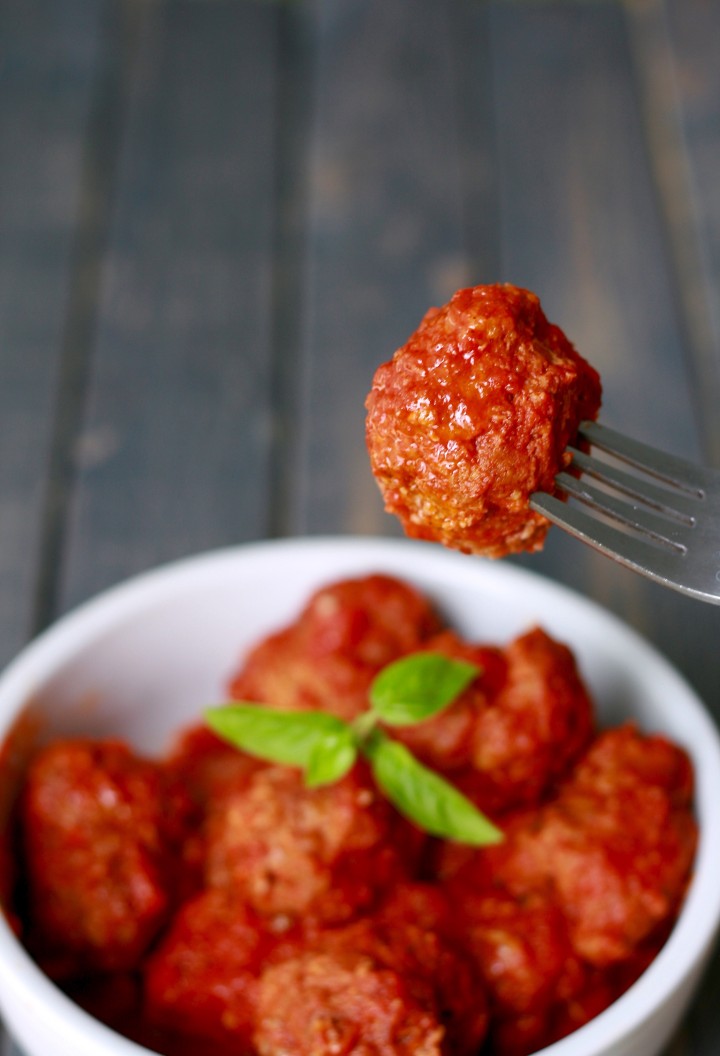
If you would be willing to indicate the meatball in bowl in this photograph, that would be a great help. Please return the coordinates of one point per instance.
(168, 889)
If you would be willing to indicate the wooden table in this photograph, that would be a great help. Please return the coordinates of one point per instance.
(218, 216)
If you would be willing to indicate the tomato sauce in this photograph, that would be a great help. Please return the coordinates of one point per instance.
(474, 414)
(207, 901)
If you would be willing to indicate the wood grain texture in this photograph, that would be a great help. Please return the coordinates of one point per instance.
(385, 232)
(52, 61)
(692, 30)
(173, 454)
(581, 223)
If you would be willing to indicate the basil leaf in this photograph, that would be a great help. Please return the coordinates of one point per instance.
(424, 797)
(289, 737)
(331, 758)
(418, 686)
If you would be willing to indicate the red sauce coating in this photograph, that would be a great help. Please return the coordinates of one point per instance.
(612, 847)
(104, 834)
(210, 902)
(295, 852)
(528, 965)
(327, 658)
(391, 982)
(474, 414)
(203, 978)
(516, 729)
(621, 875)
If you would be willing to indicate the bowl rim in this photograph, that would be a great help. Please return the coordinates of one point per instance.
(693, 935)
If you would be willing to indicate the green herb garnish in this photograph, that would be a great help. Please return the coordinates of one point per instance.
(425, 797)
(405, 692)
(419, 686)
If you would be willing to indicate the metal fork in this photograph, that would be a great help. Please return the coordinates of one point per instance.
(661, 518)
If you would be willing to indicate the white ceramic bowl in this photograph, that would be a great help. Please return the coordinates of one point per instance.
(147, 656)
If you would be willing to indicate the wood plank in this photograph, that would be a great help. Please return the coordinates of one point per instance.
(174, 451)
(678, 45)
(53, 60)
(581, 222)
(386, 234)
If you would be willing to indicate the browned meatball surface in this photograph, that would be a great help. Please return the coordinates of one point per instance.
(472, 415)
(328, 656)
(528, 966)
(212, 902)
(613, 847)
(104, 839)
(201, 979)
(516, 729)
(291, 851)
(390, 984)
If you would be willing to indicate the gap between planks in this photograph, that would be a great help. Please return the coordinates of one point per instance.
(659, 95)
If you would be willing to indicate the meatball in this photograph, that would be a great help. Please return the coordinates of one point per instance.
(613, 848)
(516, 729)
(342, 1001)
(474, 414)
(204, 763)
(387, 985)
(104, 838)
(529, 968)
(445, 741)
(202, 979)
(327, 658)
(292, 851)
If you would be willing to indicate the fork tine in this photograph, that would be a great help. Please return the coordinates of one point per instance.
(662, 519)
(674, 503)
(662, 564)
(687, 476)
(633, 515)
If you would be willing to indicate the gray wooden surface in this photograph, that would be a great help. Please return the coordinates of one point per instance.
(218, 216)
